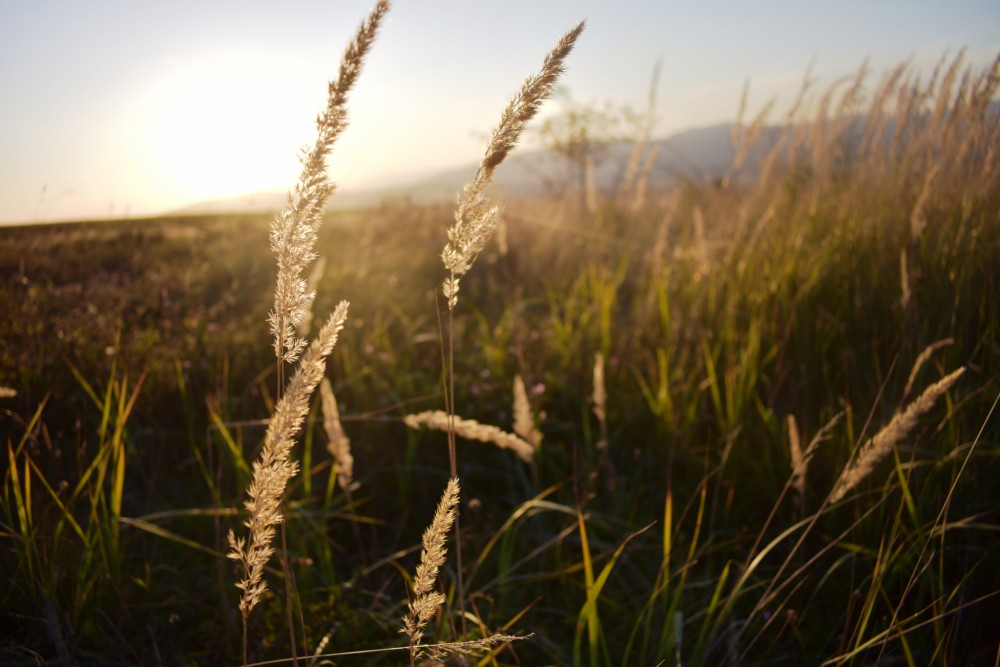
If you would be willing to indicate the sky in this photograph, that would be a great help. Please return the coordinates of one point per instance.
(115, 108)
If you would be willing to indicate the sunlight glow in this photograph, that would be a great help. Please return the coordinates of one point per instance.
(228, 127)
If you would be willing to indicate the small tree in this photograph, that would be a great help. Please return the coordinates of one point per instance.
(582, 136)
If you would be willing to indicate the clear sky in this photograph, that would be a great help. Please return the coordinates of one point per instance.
(111, 107)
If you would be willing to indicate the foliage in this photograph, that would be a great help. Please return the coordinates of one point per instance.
(720, 308)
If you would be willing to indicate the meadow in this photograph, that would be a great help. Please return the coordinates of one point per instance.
(752, 445)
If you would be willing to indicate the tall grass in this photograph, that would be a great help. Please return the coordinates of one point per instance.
(675, 353)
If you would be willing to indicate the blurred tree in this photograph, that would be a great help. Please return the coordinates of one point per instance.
(583, 134)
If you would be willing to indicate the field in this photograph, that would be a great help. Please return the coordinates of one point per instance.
(668, 515)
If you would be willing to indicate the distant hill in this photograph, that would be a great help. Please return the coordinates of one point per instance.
(697, 154)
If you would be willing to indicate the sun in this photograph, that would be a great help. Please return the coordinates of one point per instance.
(228, 126)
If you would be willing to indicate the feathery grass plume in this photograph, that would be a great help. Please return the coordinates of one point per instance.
(700, 240)
(293, 236)
(472, 645)
(642, 181)
(904, 279)
(274, 468)
(659, 249)
(470, 429)
(632, 181)
(591, 186)
(800, 458)
(503, 245)
(736, 130)
(898, 428)
(294, 230)
(7, 392)
(475, 218)
(339, 445)
(600, 406)
(426, 600)
(600, 395)
(798, 465)
(878, 116)
(524, 421)
(918, 218)
(922, 359)
(751, 135)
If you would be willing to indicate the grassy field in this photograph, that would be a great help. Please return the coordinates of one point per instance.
(789, 300)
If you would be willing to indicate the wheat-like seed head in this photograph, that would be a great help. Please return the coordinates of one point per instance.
(439, 420)
(524, 420)
(426, 600)
(339, 445)
(922, 359)
(800, 458)
(798, 464)
(475, 218)
(436, 652)
(918, 218)
(294, 230)
(274, 468)
(600, 395)
(642, 180)
(898, 428)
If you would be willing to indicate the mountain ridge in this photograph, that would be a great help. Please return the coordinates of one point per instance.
(697, 153)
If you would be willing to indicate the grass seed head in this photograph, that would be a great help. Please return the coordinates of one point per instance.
(476, 219)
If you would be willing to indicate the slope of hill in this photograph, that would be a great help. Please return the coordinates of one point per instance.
(701, 153)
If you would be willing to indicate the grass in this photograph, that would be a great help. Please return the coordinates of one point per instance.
(661, 519)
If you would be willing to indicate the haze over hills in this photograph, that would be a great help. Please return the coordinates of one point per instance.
(699, 154)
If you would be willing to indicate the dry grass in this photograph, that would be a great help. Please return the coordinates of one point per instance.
(426, 601)
(758, 300)
(470, 429)
(524, 420)
(294, 230)
(338, 444)
(475, 218)
(274, 468)
(293, 237)
(894, 432)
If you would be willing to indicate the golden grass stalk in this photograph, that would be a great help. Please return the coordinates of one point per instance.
(635, 180)
(700, 239)
(475, 218)
(600, 396)
(274, 468)
(751, 135)
(657, 254)
(898, 428)
(800, 458)
(426, 600)
(904, 280)
(591, 186)
(470, 429)
(524, 420)
(599, 399)
(338, 444)
(294, 230)
(293, 236)
(922, 359)
(486, 642)
(642, 181)
(798, 463)
(918, 218)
